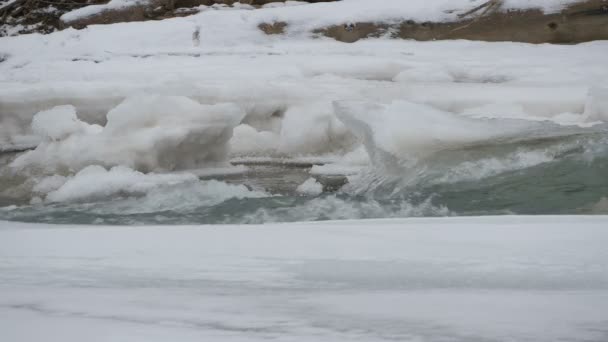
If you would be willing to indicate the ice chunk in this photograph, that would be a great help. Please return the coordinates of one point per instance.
(247, 141)
(127, 191)
(313, 128)
(143, 132)
(57, 123)
(49, 184)
(96, 182)
(597, 104)
(310, 187)
(410, 132)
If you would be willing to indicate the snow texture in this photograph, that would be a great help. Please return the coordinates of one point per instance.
(538, 279)
(144, 132)
(310, 187)
(91, 10)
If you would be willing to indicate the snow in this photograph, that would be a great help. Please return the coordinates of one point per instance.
(95, 181)
(458, 279)
(343, 11)
(5, 3)
(91, 10)
(313, 129)
(143, 132)
(310, 187)
(57, 123)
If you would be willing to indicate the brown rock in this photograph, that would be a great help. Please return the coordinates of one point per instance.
(274, 28)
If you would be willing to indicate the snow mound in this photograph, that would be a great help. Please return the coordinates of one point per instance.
(91, 10)
(60, 122)
(144, 133)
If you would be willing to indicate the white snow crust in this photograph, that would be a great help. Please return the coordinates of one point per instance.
(538, 279)
(90, 10)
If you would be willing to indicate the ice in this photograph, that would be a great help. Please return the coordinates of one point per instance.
(124, 191)
(597, 104)
(58, 123)
(94, 182)
(247, 141)
(519, 278)
(310, 187)
(50, 184)
(143, 132)
(313, 129)
(412, 132)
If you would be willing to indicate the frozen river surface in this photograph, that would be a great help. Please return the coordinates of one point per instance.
(450, 279)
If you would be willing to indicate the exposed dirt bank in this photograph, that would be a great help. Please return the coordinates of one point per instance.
(582, 22)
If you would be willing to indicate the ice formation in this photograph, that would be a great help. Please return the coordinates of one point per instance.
(144, 132)
(310, 187)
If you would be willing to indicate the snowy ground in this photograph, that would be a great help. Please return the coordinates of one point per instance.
(474, 279)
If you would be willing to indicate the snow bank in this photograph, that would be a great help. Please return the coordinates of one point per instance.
(91, 10)
(548, 6)
(144, 133)
(307, 18)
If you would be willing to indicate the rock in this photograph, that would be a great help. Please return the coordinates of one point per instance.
(274, 28)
